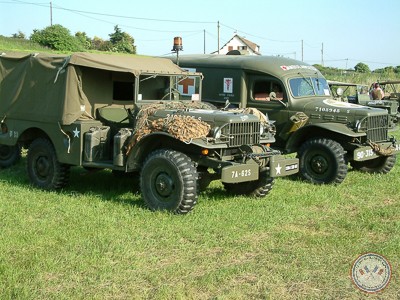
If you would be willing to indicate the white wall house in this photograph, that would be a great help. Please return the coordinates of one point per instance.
(240, 44)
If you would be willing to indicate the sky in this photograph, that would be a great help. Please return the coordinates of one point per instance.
(339, 33)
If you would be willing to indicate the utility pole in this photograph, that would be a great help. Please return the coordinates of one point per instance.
(302, 50)
(218, 37)
(51, 14)
(204, 37)
(322, 55)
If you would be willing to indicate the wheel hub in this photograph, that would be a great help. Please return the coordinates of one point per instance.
(42, 166)
(164, 185)
(319, 164)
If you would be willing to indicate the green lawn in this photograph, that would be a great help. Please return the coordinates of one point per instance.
(97, 240)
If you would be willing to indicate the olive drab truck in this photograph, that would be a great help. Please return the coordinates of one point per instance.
(131, 114)
(359, 94)
(326, 134)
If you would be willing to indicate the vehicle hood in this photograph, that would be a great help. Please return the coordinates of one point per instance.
(335, 108)
(210, 116)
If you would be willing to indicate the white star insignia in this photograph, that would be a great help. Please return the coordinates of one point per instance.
(278, 169)
(76, 132)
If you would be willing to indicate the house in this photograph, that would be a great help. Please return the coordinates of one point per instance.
(240, 44)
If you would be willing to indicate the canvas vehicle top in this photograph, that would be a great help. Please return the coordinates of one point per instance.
(131, 114)
(325, 133)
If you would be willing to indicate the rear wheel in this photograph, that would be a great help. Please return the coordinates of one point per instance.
(382, 164)
(322, 161)
(44, 170)
(9, 155)
(257, 188)
(168, 181)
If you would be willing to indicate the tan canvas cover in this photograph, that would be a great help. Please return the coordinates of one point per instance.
(47, 87)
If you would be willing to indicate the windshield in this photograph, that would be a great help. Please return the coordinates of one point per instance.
(309, 86)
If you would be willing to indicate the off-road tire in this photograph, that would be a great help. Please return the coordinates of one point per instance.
(9, 155)
(203, 179)
(44, 170)
(381, 165)
(322, 161)
(257, 188)
(168, 181)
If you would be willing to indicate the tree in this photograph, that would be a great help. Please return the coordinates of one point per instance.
(83, 39)
(362, 68)
(56, 37)
(122, 41)
(19, 35)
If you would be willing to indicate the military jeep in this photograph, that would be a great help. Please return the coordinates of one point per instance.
(136, 115)
(359, 94)
(391, 89)
(326, 134)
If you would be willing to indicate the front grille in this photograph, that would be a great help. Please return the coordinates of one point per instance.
(244, 133)
(377, 128)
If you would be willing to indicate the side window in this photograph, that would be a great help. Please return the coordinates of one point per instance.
(154, 88)
(123, 90)
(266, 90)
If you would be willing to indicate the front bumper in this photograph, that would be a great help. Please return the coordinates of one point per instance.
(279, 166)
(369, 152)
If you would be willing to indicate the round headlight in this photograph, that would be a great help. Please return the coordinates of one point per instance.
(216, 132)
(361, 125)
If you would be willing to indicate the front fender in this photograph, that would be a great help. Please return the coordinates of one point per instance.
(156, 140)
(328, 130)
(339, 128)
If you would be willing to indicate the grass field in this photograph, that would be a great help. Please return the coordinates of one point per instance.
(14, 44)
(97, 240)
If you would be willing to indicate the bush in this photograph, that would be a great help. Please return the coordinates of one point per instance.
(58, 38)
(362, 68)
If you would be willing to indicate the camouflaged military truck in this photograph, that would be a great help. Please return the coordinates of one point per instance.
(326, 134)
(131, 114)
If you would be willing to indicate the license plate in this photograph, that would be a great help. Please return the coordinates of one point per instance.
(366, 153)
(240, 173)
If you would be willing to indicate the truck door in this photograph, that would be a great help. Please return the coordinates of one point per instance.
(268, 94)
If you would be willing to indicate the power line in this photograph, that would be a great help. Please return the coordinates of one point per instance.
(118, 16)
(92, 15)
(262, 38)
(124, 25)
